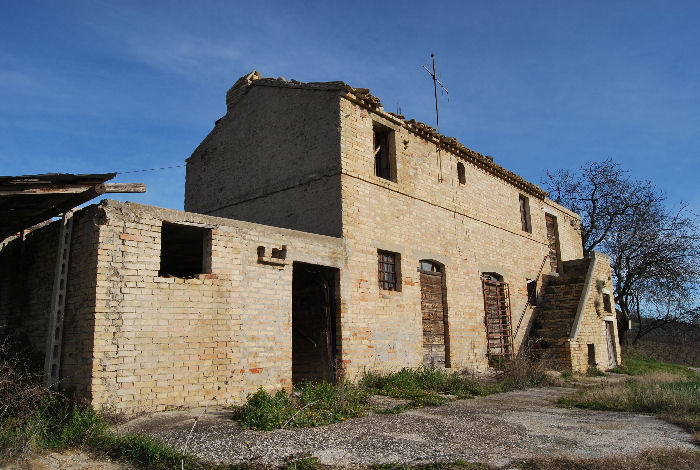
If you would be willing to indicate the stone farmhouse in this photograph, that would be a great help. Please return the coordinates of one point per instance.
(324, 237)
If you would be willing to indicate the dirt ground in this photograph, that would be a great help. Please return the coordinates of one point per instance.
(497, 430)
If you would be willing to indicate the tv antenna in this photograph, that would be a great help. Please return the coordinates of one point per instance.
(437, 82)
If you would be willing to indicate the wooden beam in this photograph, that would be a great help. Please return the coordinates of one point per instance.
(124, 187)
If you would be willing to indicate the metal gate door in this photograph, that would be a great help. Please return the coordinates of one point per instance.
(499, 333)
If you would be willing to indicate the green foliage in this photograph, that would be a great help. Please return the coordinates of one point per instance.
(456, 465)
(634, 363)
(593, 371)
(313, 404)
(300, 462)
(672, 397)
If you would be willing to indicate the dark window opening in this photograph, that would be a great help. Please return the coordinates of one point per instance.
(591, 355)
(182, 252)
(606, 303)
(461, 173)
(387, 265)
(430, 267)
(532, 292)
(383, 155)
(525, 214)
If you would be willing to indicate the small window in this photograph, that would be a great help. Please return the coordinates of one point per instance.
(429, 267)
(182, 251)
(532, 292)
(525, 214)
(461, 173)
(384, 160)
(607, 306)
(388, 273)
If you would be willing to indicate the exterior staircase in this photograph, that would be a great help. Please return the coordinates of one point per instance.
(555, 313)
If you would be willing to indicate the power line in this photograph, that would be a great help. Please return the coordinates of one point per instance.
(151, 169)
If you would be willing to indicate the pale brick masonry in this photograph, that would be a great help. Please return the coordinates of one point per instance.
(168, 308)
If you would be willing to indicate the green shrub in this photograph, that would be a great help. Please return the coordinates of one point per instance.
(313, 404)
(634, 363)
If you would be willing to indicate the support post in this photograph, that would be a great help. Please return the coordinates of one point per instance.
(52, 363)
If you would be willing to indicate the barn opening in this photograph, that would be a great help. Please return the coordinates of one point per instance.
(314, 323)
(434, 312)
(499, 332)
(184, 250)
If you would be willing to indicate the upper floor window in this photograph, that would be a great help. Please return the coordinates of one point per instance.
(607, 306)
(384, 157)
(461, 173)
(525, 214)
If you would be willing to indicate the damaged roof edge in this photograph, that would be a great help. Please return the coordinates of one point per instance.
(364, 98)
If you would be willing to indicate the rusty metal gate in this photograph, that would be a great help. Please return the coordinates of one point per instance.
(499, 332)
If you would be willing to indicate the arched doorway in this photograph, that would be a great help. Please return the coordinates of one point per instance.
(434, 313)
(499, 333)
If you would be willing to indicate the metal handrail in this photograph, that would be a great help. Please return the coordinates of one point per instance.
(527, 302)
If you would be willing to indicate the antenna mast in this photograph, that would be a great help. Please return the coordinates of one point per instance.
(437, 82)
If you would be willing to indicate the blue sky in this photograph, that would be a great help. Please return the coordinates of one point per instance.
(116, 86)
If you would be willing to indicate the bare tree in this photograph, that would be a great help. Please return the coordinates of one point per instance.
(654, 251)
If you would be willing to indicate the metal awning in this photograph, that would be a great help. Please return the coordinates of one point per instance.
(28, 200)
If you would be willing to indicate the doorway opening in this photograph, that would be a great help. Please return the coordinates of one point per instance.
(553, 242)
(610, 338)
(433, 305)
(314, 323)
(499, 332)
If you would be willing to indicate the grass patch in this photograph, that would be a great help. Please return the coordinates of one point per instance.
(311, 405)
(455, 465)
(673, 398)
(634, 363)
(431, 387)
(660, 459)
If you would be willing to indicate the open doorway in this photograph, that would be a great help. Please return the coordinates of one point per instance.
(314, 314)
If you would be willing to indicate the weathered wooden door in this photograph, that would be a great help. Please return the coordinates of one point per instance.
(610, 336)
(432, 303)
(499, 334)
(553, 241)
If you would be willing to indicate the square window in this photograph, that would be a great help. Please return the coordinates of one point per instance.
(525, 214)
(388, 270)
(184, 250)
(384, 155)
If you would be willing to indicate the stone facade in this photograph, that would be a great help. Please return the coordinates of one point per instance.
(301, 159)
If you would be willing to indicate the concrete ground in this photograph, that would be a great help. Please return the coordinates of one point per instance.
(497, 430)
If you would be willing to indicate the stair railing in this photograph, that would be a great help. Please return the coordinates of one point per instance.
(527, 302)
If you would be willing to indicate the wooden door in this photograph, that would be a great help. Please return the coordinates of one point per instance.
(433, 312)
(499, 334)
(553, 241)
(610, 336)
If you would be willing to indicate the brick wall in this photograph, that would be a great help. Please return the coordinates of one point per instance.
(470, 228)
(27, 270)
(272, 159)
(591, 328)
(165, 342)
